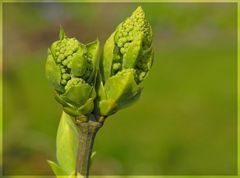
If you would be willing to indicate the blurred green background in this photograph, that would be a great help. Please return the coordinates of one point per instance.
(186, 120)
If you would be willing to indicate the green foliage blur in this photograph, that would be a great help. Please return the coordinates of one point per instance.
(185, 122)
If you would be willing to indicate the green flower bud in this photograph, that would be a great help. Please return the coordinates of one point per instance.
(63, 82)
(66, 76)
(116, 66)
(71, 68)
(127, 59)
(131, 42)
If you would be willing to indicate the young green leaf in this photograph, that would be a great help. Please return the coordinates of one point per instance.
(67, 143)
(107, 59)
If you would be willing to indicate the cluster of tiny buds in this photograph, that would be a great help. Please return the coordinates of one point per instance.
(142, 25)
(117, 63)
(74, 82)
(65, 49)
(129, 28)
(138, 75)
(126, 33)
(142, 67)
(125, 72)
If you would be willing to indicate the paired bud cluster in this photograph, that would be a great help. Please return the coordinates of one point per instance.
(72, 68)
(90, 89)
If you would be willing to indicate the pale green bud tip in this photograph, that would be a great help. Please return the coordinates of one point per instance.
(135, 23)
(132, 39)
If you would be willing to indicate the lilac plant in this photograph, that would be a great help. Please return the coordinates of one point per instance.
(91, 88)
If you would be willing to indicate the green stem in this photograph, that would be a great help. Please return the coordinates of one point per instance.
(87, 133)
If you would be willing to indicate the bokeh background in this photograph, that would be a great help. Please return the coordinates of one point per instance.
(186, 120)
